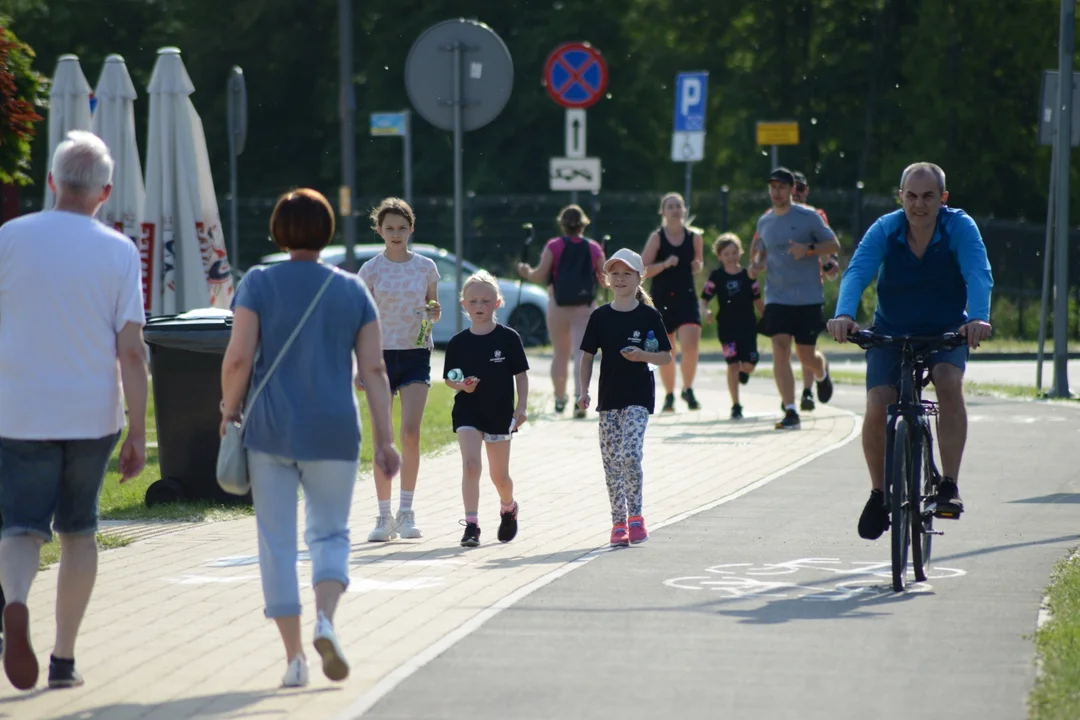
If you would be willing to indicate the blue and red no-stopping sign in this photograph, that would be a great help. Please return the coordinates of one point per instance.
(575, 75)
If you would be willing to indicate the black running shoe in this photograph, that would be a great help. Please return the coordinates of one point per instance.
(560, 404)
(471, 538)
(874, 520)
(824, 387)
(807, 402)
(669, 403)
(507, 525)
(744, 378)
(736, 412)
(62, 674)
(790, 421)
(949, 504)
(691, 401)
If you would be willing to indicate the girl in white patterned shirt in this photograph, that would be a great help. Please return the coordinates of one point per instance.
(405, 286)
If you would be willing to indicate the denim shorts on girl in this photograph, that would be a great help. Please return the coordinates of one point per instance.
(405, 367)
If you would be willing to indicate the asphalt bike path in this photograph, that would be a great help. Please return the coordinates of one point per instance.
(771, 606)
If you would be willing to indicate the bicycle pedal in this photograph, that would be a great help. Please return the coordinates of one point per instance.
(933, 532)
(947, 514)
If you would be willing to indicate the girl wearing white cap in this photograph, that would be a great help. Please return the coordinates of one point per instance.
(630, 334)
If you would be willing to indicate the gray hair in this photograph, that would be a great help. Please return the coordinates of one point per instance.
(82, 163)
(921, 168)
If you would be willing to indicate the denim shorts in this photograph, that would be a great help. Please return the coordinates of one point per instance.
(883, 364)
(405, 367)
(55, 482)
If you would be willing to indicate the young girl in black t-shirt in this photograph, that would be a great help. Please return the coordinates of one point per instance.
(484, 363)
(736, 291)
(630, 334)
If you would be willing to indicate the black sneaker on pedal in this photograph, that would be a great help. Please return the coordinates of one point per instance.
(669, 403)
(471, 538)
(874, 520)
(790, 421)
(736, 412)
(949, 504)
(807, 404)
(691, 401)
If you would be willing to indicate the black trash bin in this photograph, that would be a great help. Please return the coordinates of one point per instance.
(186, 352)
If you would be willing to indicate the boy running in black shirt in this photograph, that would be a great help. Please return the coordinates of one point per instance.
(737, 294)
(485, 363)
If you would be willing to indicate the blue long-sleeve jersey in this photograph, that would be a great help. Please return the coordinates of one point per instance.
(937, 293)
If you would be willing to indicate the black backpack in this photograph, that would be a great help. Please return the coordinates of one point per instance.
(575, 278)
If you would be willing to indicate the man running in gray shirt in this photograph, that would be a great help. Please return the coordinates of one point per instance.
(790, 241)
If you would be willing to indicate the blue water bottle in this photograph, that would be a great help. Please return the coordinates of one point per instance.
(651, 345)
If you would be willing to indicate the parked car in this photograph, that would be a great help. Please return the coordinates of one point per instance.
(527, 317)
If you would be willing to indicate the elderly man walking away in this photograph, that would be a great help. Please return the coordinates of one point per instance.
(71, 336)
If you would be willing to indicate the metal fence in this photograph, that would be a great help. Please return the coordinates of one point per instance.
(493, 233)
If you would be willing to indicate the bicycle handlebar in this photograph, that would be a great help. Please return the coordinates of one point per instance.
(946, 341)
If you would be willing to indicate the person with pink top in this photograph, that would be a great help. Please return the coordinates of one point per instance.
(573, 268)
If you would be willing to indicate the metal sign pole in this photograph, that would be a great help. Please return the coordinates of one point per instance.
(406, 160)
(347, 108)
(459, 101)
(1061, 203)
(775, 156)
(689, 176)
(1048, 253)
(236, 115)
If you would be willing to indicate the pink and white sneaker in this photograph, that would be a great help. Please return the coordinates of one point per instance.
(638, 533)
(620, 537)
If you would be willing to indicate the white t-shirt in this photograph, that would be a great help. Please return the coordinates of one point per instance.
(400, 292)
(68, 285)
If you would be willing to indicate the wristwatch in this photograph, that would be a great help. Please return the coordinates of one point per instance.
(810, 249)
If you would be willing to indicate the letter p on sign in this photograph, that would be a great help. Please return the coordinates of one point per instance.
(691, 95)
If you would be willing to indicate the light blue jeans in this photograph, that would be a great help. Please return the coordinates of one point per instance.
(328, 488)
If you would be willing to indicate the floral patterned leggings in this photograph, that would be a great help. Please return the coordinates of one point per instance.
(622, 437)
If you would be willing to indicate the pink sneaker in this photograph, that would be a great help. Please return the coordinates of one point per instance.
(638, 533)
(619, 536)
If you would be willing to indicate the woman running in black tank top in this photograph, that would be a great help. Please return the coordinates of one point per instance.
(672, 256)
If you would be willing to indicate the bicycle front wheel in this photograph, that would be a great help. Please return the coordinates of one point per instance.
(899, 501)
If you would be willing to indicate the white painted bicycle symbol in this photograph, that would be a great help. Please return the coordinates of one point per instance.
(858, 580)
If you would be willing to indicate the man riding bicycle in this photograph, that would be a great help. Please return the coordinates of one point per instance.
(933, 277)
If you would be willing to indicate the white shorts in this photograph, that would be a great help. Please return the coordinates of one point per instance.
(488, 437)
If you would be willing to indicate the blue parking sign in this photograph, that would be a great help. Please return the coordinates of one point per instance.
(690, 93)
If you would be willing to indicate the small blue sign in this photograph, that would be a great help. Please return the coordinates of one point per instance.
(690, 92)
(388, 124)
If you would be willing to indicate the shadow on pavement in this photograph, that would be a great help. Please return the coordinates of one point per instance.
(205, 706)
(1055, 498)
(1003, 548)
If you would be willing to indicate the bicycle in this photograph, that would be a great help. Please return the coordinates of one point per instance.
(910, 470)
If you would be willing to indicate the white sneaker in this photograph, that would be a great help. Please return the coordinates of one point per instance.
(405, 525)
(384, 529)
(297, 673)
(334, 665)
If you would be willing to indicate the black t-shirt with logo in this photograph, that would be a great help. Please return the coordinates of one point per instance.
(624, 383)
(735, 296)
(494, 358)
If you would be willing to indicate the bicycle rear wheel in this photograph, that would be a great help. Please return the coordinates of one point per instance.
(920, 540)
(897, 467)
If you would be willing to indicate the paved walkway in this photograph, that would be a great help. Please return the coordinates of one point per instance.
(175, 629)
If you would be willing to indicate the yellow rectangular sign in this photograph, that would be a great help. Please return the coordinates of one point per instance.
(778, 133)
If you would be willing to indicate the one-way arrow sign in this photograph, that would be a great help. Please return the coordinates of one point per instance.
(575, 133)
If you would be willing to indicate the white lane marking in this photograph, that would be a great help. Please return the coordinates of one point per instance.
(863, 580)
(401, 673)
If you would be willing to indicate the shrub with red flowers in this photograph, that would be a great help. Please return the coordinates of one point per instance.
(22, 91)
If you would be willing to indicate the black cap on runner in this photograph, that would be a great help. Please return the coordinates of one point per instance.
(782, 174)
